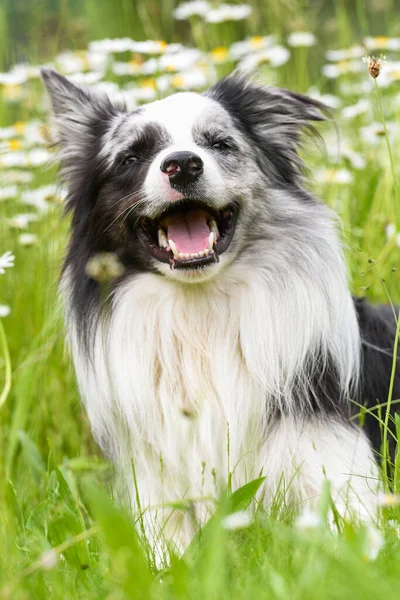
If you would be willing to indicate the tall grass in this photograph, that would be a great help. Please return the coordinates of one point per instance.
(63, 531)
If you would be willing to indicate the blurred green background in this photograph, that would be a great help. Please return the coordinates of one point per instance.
(34, 31)
(57, 490)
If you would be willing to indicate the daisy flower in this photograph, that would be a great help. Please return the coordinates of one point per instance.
(6, 261)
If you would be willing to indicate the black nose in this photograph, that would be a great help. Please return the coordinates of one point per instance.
(182, 168)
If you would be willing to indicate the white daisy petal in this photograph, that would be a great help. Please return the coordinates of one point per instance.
(6, 261)
(237, 520)
(4, 310)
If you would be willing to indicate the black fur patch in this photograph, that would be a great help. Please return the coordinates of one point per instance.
(101, 197)
(378, 329)
(325, 395)
(104, 219)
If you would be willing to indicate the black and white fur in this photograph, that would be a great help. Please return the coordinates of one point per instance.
(264, 348)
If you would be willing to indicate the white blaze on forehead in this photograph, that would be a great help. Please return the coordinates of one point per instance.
(177, 115)
(181, 112)
(181, 116)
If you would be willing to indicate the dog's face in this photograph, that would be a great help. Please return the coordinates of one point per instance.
(176, 164)
(177, 186)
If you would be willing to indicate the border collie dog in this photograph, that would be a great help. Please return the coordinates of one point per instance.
(231, 342)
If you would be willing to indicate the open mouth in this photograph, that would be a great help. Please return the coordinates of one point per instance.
(190, 235)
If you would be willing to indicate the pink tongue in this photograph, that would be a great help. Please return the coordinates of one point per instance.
(189, 231)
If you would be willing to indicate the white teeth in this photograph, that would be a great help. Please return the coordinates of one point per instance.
(187, 255)
(182, 256)
(162, 239)
(211, 241)
(173, 248)
(214, 228)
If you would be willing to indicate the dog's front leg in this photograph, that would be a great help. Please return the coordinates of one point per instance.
(166, 523)
(303, 454)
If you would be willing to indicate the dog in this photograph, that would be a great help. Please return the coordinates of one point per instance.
(227, 345)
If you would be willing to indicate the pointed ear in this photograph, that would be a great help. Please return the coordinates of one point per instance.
(273, 119)
(81, 117)
(64, 95)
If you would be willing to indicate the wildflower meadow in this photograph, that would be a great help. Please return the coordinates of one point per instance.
(64, 530)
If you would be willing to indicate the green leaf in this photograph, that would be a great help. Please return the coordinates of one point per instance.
(397, 456)
(127, 556)
(87, 463)
(32, 455)
(240, 499)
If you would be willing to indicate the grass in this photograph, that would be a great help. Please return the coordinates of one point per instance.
(63, 533)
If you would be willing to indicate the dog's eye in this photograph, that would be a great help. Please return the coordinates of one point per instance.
(220, 145)
(128, 160)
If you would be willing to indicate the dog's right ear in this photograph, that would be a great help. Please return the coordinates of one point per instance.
(81, 117)
(66, 97)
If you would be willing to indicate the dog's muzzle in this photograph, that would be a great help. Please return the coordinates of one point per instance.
(189, 235)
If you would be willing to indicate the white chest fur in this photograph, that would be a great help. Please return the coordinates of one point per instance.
(174, 369)
(183, 380)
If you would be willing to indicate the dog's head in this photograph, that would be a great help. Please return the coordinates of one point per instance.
(180, 186)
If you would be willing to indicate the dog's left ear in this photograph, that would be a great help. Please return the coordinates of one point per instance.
(274, 120)
(81, 116)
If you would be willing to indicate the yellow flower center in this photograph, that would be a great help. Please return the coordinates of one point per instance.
(12, 92)
(329, 174)
(19, 127)
(14, 144)
(219, 54)
(257, 42)
(381, 41)
(343, 65)
(149, 83)
(177, 81)
(134, 65)
(162, 45)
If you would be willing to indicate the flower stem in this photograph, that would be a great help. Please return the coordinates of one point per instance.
(386, 453)
(7, 363)
(378, 96)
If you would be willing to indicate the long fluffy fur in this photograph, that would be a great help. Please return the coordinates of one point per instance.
(249, 369)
